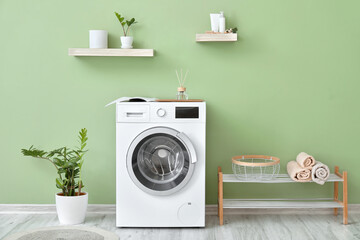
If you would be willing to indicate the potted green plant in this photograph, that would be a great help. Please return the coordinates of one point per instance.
(126, 41)
(71, 205)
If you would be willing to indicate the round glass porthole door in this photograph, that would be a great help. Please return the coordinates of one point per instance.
(161, 160)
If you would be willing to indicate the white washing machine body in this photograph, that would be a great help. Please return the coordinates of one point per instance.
(160, 164)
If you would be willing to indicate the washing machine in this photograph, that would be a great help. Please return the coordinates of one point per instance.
(160, 164)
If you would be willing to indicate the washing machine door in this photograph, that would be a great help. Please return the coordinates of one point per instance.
(161, 160)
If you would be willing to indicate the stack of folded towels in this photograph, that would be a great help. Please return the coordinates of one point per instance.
(305, 169)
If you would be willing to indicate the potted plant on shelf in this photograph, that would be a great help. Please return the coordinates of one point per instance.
(126, 41)
(71, 205)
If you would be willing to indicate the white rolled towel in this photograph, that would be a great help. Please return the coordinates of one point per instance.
(305, 160)
(297, 173)
(320, 173)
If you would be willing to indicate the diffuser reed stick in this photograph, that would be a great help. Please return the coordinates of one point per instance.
(181, 94)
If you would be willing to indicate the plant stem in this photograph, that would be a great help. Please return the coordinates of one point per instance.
(127, 30)
(79, 187)
(124, 30)
(72, 183)
(67, 185)
(80, 181)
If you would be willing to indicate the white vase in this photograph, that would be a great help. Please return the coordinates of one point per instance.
(126, 42)
(98, 39)
(71, 209)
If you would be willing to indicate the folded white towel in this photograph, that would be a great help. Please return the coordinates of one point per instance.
(320, 173)
(305, 160)
(297, 173)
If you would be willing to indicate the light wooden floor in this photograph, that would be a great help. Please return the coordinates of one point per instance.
(251, 227)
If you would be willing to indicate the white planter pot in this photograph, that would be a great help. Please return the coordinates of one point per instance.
(126, 42)
(71, 210)
(98, 39)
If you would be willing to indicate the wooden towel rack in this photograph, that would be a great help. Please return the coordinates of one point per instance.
(334, 202)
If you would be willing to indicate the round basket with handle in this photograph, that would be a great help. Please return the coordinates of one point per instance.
(255, 167)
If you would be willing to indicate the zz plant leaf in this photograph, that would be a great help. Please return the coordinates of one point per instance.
(124, 22)
(68, 163)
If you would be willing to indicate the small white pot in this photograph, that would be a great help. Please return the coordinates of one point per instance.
(71, 210)
(126, 42)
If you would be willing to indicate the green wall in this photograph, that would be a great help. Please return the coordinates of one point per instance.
(290, 84)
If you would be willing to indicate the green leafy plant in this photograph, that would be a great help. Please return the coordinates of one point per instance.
(231, 30)
(124, 22)
(234, 30)
(68, 163)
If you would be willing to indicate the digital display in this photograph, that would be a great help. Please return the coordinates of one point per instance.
(186, 112)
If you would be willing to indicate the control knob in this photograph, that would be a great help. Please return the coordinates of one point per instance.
(161, 112)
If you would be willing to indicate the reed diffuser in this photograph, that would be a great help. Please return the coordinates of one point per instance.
(181, 93)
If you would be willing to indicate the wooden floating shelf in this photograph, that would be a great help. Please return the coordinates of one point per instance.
(216, 37)
(110, 52)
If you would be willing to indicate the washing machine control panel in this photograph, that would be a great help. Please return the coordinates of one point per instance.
(161, 112)
(177, 112)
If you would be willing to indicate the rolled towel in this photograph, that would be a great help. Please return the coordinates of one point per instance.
(320, 173)
(305, 160)
(297, 173)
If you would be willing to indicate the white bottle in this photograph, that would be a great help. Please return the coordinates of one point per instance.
(214, 17)
(222, 22)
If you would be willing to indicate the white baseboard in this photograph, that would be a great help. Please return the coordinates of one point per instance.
(51, 208)
(210, 209)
